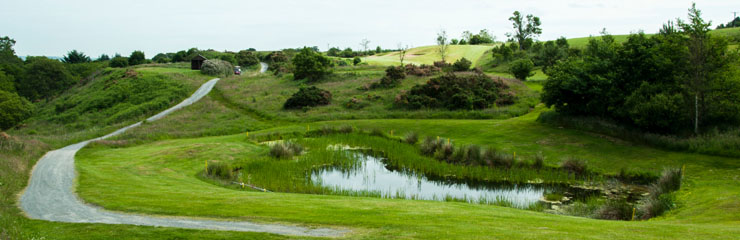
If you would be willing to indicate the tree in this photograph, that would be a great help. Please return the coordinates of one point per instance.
(181, 56)
(483, 37)
(700, 67)
(442, 44)
(347, 53)
(75, 57)
(378, 50)
(311, 65)
(136, 58)
(356, 61)
(522, 69)
(13, 109)
(46, 78)
(364, 44)
(7, 82)
(119, 62)
(7, 54)
(103, 57)
(524, 28)
(161, 58)
(402, 49)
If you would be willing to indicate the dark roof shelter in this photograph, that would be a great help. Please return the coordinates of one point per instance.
(197, 62)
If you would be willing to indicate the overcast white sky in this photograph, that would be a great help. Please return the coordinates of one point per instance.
(52, 27)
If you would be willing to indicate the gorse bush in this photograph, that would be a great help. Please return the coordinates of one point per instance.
(13, 109)
(119, 62)
(217, 67)
(285, 149)
(311, 65)
(308, 97)
(453, 91)
(461, 65)
(392, 78)
(522, 69)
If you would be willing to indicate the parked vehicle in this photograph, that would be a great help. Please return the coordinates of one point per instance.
(237, 70)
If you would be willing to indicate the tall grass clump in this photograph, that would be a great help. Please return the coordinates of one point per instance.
(574, 166)
(539, 161)
(219, 170)
(661, 199)
(411, 138)
(430, 145)
(615, 209)
(285, 150)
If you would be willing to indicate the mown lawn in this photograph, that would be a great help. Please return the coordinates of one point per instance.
(160, 178)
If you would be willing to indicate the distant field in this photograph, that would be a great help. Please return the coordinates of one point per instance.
(733, 34)
(428, 55)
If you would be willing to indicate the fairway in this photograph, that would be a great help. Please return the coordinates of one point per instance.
(429, 54)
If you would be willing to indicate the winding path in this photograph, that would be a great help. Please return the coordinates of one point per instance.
(50, 193)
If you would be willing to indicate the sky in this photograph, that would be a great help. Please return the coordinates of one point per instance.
(53, 27)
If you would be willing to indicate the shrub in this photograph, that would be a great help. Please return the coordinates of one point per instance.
(539, 161)
(219, 170)
(615, 210)
(136, 58)
(355, 103)
(522, 69)
(430, 145)
(453, 91)
(356, 61)
(247, 58)
(285, 150)
(308, 97)
(421, 71)
(654, 206)
(461, 65)
(45, 78)
(119, 62)
(574, 166)
(411, 138)
(311, 65)
(392, 78)
(13, 109)
(217, 67)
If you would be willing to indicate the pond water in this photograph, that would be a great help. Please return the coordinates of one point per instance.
(371, 174)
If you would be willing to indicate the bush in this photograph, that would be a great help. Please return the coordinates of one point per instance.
(136, 58)
(217, 67)
(45, 78)
(411, 138)
(574, 166)
(461, 65)
(311, 65)
(356, 61)
(219, 170)
(421, 71)
(453, 91)
(392, 78)
(308, 97)
(119, 62)
(654, 206)
(615, 210)
(13, 109)
(247, 58)
(669, 181)
(285, 150)
(522, 69)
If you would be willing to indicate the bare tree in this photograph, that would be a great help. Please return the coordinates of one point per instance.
(402, 49)
(442, 44)
(698, 31)
(364, 44)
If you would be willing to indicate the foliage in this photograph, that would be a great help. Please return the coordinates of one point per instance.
(461, 64)
(219, 170)
(308, 97)
(119, 62)
(285, 149)
(483, 37)
(45, 78)
(136, 58)
(356, 61)
(392, 78)
(247, 58)
(525, 28)
(76, 57)
(161, 58)
(7, 82)
(217, 67)
(311, 65)
(453, 91)
(522, 69)
(103, 57)
(442, 45)
(13, 109)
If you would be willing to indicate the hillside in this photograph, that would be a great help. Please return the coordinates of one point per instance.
(428, 55)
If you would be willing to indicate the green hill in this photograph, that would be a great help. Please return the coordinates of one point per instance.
(428, 55)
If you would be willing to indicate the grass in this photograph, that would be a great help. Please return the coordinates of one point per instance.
(709, 214)
(428, 55)
(264, 95)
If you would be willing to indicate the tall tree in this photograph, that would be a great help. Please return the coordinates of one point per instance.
(75, 56)
(7, 54)
(524, 28)
(698, 70)
(442, 44)
(364, 43)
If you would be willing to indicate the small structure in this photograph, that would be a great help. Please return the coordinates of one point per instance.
(196, 62)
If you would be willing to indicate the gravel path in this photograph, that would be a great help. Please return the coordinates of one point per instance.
(50, 193)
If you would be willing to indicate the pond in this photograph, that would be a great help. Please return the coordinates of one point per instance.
(372, 175)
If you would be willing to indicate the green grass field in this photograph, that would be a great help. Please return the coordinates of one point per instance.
(428, 55)
(708, 201)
